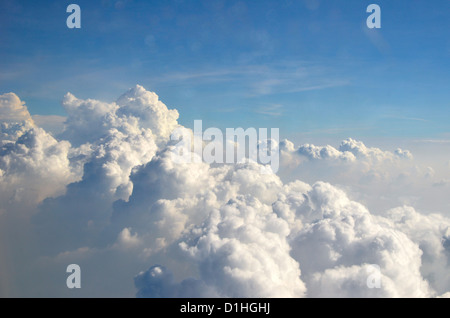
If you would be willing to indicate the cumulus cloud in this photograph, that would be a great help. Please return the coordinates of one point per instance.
(349, 150)
(339, 239)
(229, 237)
(380, 179)
(108, 194)
(150, 111)
(33, 164)
(34, 167)
(113, 145)
(12, 109)
(326, 152)
(332, 239)
(89, 120)
(126, 239)
(432, 234)
(352, 161)
(242, 251)
(360, 150)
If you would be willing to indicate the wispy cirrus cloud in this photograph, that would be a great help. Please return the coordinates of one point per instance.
(433, 141)
(406, 118)
(259, 80)
(270, 110)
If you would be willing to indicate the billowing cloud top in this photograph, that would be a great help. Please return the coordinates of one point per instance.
(106, 194)
(12, 109)
(88, 120)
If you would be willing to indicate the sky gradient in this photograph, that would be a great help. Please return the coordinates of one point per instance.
(309, 67)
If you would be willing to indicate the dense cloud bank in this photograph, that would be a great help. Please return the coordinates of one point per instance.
(107, 194)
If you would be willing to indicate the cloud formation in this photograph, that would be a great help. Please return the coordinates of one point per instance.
(378, 178)
(12, 109)
(106, 193)
(33, 164)
(340, 239)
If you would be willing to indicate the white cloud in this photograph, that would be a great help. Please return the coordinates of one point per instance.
(114, 201)
(12, 109)
(126, 239)
(432, 234)
(340, 238)
(403, 153)
(33, 164)
(375, 154)
(326, 152)
(120, 145)
(380, 179)
(351, 153)
(151, 112)
(242, 251)
(88, 120)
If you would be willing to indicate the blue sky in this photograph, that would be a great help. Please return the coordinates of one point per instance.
(309, 67)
